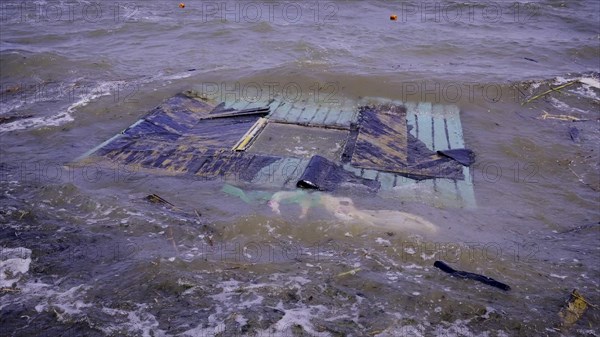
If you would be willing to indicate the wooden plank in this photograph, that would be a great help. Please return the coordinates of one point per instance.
(440, 141)
(357, 171)
(403, 181)
(454, 127)
(293, 113)
(348, 114)
(332, 116)
(387, 180)
(369, 174)
(238, 104)
(281, 111)
(465, 189)
(307, 115)
(321, 115)
(245, 141)
(425, 124)
(446, 188)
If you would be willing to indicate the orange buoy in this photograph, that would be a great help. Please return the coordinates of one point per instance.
(181, 5)
(394, 17)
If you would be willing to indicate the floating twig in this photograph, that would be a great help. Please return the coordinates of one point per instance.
(549, 91)
(349, 272)
(546, 115)
(155, 198)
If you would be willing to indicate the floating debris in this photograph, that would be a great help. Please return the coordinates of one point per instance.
(465, 157)
(546, 115)
(549, 91)
(367, 145)
(573, 309)
(471, 276)
(574, 134)
(155, 198)
(324, 175)
(349, 272)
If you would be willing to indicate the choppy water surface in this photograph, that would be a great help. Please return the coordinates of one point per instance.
(84, 254)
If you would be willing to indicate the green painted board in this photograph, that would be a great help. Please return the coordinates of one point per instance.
(439, 127)
(307, 115)
(293, 113)
(425, 124)
(465, 189)
(355, 170)
(440, 141)
(321, 115)
(348, 114)
(280, 111)
(455, 132)
(387, 180)
(370, 174)
(332, 116)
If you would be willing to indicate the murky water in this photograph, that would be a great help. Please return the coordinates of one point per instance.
(84, 254)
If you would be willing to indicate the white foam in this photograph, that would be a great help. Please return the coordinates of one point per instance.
(301, 316)
(589, 86)
(14, 263)
(450, 329)
(590, 81)
(139, 322)
(68, 302)
(382, 241)
(562, 277)
(177, 76)
(62, 117)
(587, 91)
(564, 107)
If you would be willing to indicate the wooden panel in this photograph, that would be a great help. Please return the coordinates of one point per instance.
(382, 140)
